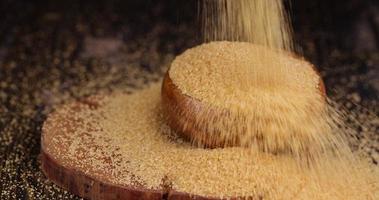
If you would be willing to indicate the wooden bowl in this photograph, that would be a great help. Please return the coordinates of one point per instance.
(182, 111)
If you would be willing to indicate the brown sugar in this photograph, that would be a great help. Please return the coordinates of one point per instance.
(263, 22)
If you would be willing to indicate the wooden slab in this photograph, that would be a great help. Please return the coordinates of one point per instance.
(77, 180)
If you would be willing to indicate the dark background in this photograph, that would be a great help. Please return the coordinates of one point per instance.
(50, 49)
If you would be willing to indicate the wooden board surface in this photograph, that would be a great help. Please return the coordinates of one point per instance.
(83, 180)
